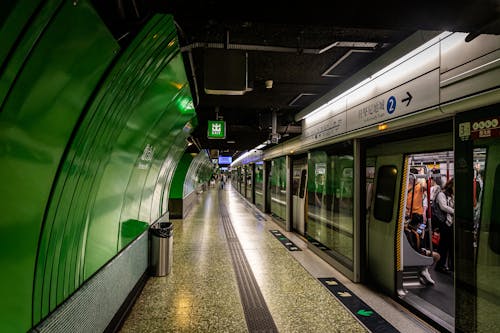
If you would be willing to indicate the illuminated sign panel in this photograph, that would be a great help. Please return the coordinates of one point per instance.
(216, 129)
(225, 160)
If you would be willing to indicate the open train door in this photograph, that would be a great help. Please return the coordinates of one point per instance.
(299, 186)
(382, 217)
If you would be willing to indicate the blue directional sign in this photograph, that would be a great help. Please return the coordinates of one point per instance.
(391, 105)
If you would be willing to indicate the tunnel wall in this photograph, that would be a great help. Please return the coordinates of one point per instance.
(90, 136)
(191, 176)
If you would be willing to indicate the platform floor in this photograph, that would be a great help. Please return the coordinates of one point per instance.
(218, 249)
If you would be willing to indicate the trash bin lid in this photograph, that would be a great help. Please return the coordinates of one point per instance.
(166, 225)
(162, 229)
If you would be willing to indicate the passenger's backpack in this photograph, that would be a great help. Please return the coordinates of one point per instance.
(438, 216)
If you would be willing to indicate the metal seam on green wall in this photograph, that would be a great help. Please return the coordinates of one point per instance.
(67, 219)
(92, 204)
(15, 48)
(168, 127)
(96, 170)
(160, 127)
(45, 151)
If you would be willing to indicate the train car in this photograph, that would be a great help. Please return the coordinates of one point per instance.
(360, 181)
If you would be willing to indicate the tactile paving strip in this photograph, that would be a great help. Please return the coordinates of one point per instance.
(257, 314)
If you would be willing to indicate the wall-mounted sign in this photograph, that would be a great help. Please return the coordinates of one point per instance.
(216, 129)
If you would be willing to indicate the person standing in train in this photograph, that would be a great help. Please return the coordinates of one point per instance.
(446, 201)
(414, 200)
(436, 184)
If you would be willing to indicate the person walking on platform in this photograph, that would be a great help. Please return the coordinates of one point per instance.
(222, 182)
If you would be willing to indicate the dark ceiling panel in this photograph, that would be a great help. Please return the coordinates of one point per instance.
(291, 43)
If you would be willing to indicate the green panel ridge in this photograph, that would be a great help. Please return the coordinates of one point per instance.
(53, 83)
(85, 166)
(24, 15)
(177, 186)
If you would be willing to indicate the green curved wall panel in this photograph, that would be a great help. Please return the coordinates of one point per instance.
(118, 146)
(44, 88)
(177, 186)
(22, 23)
(200, 171)
(90, 137)
(191, 171)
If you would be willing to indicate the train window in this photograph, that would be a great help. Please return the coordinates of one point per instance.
(295, 182)
(494, 237)
(302, 183)
(370, 175)
(384, 193)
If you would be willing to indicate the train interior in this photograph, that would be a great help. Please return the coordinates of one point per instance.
(423, 286)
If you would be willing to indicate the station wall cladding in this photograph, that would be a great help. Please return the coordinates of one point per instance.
(90, 135)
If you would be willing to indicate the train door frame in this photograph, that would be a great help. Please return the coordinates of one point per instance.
(298, 203)
(265, 185)
(474, 267)
(252, 194)
(394, 149)
(245, 169)
(382, 261)
(288, 211)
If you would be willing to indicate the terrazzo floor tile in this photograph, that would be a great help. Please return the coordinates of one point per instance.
(201, 293)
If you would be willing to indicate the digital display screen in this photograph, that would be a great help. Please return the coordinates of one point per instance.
(225, 160)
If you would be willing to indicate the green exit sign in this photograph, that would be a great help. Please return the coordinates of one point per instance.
(216, 129)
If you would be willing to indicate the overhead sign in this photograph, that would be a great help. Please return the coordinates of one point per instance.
(417, 94)
(225, 160)
(216, 129)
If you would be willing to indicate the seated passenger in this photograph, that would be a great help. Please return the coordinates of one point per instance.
(415, 239)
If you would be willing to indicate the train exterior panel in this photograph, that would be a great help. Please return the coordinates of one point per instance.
(425, 117)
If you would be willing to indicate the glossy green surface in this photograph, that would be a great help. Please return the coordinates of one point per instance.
(14, 17)
(113, 163)
(129, 231)
(40, 110)
(277, 187)
(177, 187)
(329, 220)
(259, 186)
(87, 151)
(190, 173)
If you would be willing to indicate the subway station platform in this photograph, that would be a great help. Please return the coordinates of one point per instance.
(236, 270)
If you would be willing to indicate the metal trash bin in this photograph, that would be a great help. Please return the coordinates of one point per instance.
(160, 262)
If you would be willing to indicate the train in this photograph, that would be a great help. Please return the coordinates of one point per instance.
(343, 184)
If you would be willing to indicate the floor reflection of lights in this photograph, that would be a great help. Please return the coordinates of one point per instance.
(183, 303)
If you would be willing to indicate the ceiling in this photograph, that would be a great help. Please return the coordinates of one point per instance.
(306, 49)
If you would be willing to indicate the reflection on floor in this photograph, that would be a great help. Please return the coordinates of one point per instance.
(434, 301)
(201, 292)
(440, 294)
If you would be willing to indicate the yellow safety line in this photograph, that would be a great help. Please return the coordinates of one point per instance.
(402, 209)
